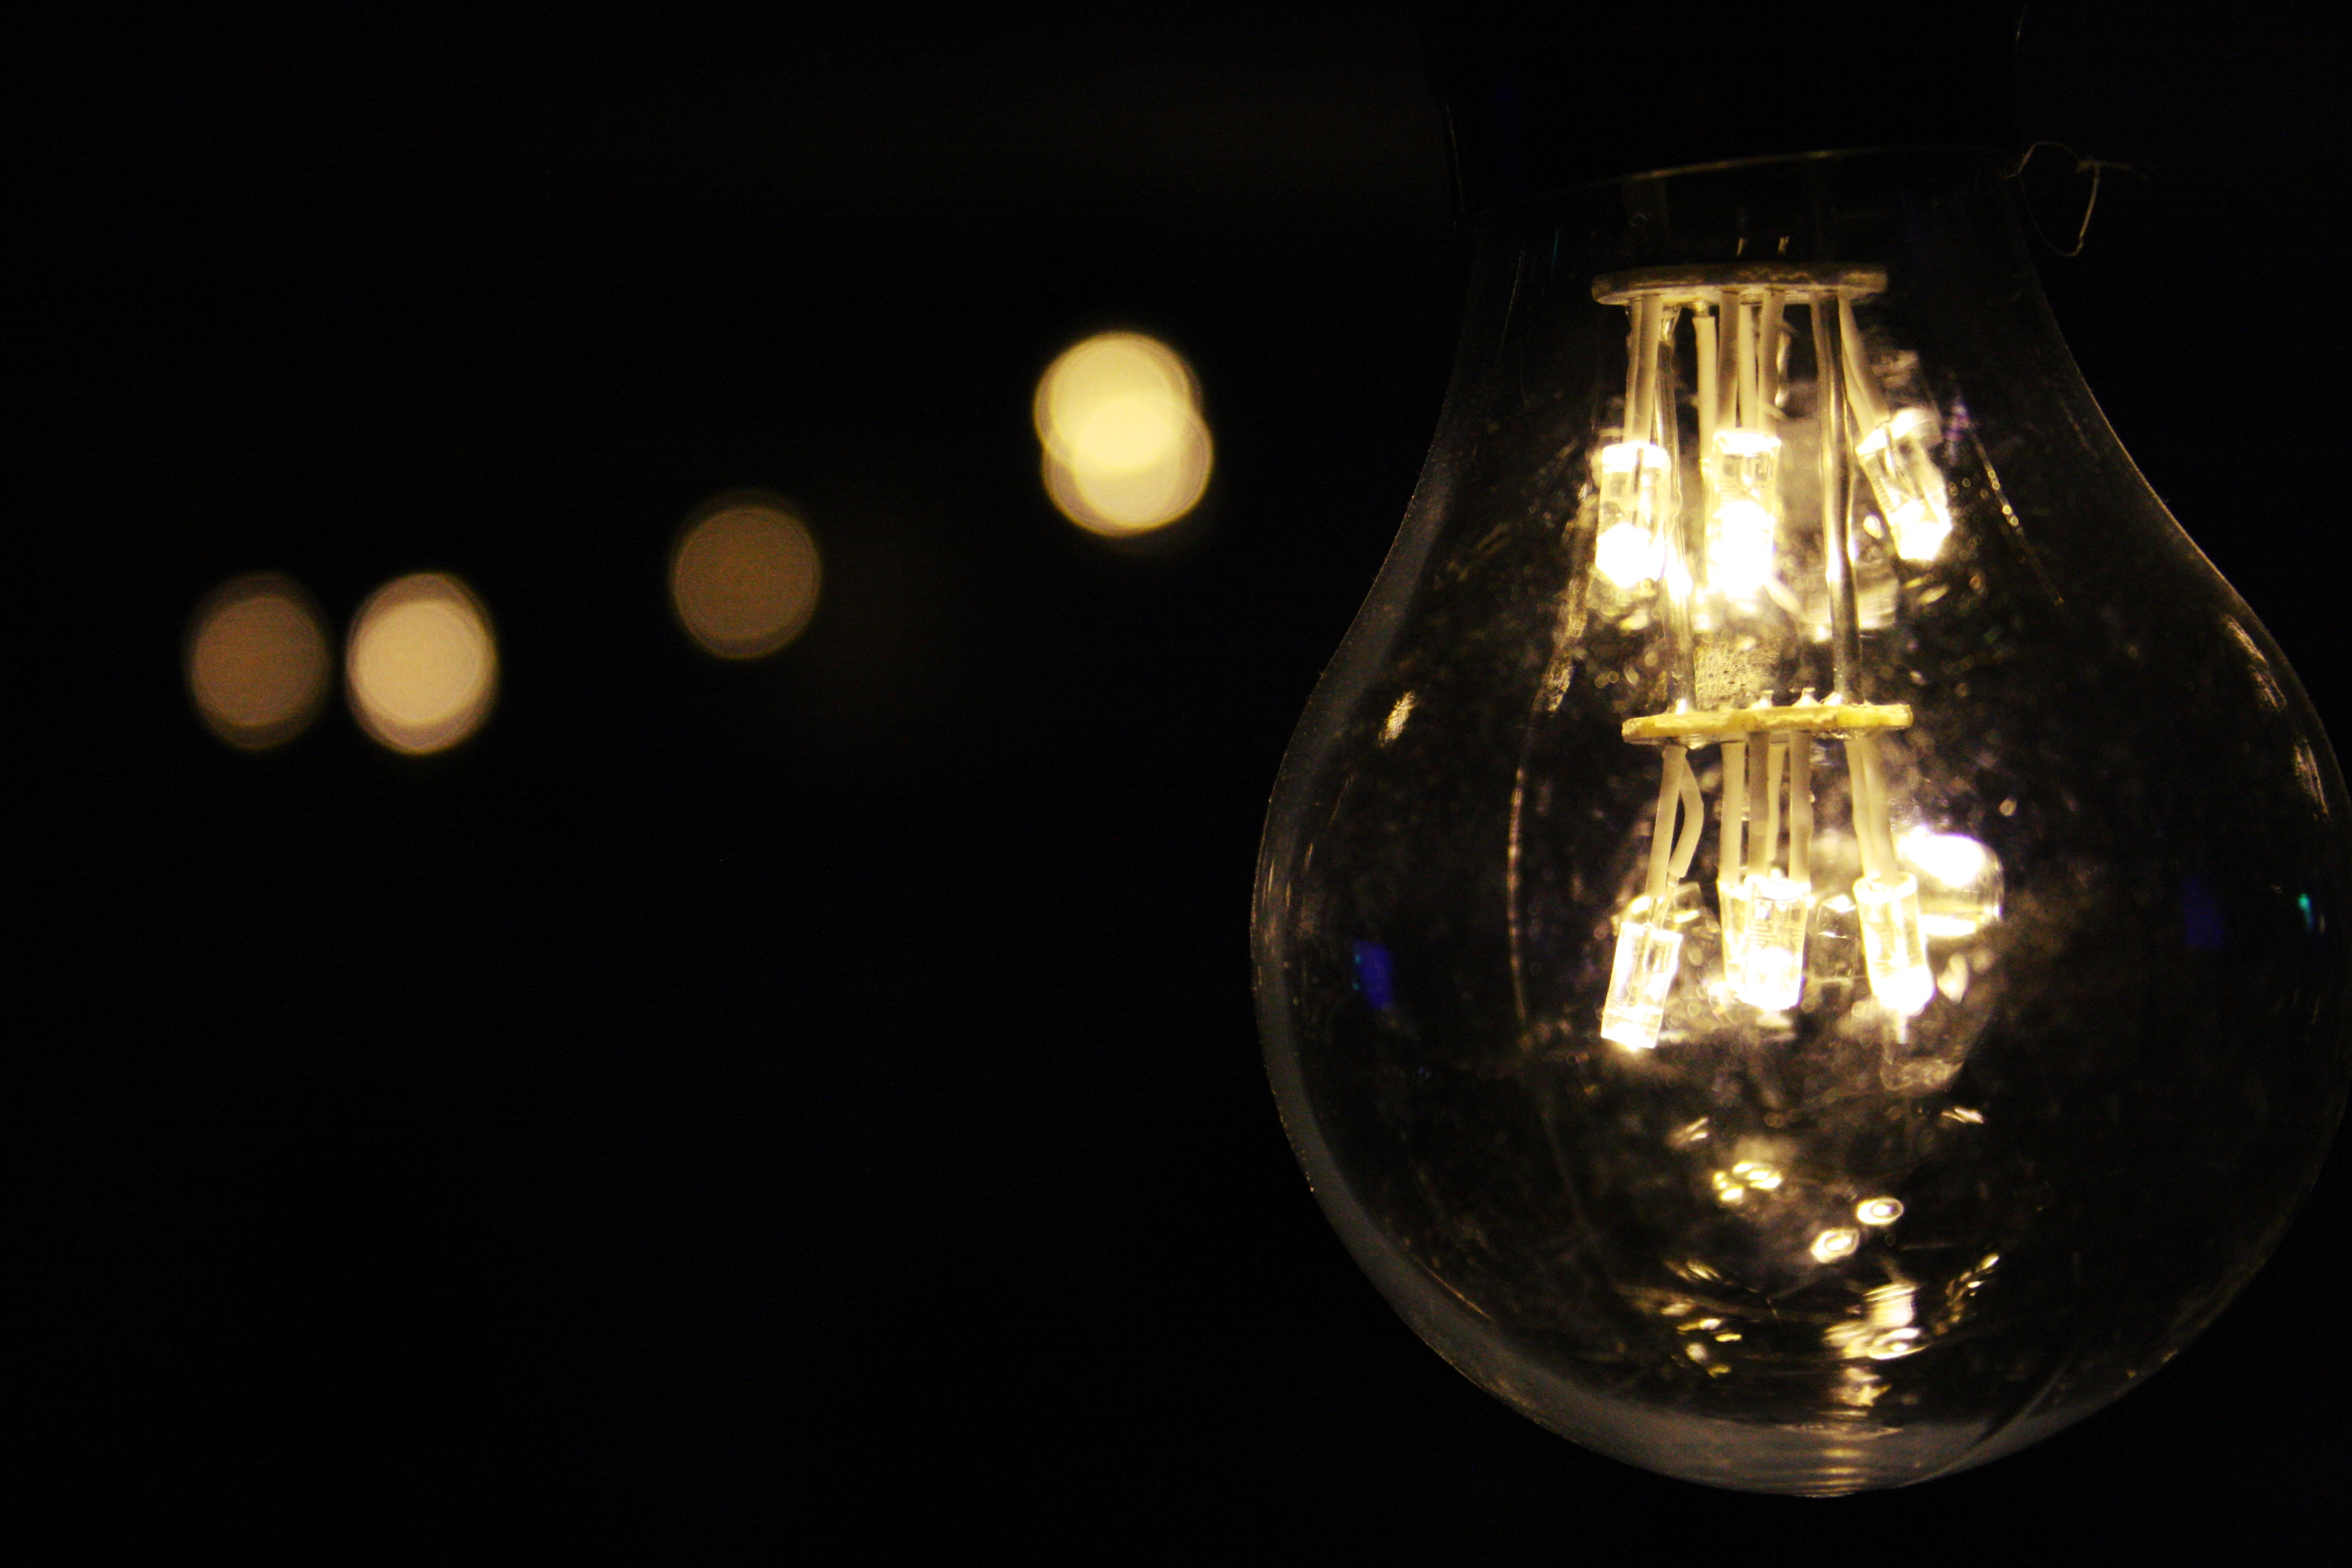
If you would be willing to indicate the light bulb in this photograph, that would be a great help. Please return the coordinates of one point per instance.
(1802, 940)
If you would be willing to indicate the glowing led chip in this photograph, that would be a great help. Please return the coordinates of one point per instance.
(1772, 913)
(1892, 947)
(1908, 485)
(1632, 484)
(1741, 532)
(1639, 982)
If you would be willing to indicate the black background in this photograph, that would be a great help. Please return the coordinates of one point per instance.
(822, 1095)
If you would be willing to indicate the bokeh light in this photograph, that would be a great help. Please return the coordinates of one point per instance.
(1126, 450)
(423, 666)
(256, 661)
(745, 576)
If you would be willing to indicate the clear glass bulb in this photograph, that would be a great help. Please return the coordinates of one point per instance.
(1802, 940)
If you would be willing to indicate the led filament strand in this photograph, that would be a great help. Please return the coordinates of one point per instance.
(1893, 456)
(1764, 889)
(1765, 907)
(1636, 475)
(1649, 941)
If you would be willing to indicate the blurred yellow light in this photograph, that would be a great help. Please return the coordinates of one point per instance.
(1126, 450)
(1104, 369)
(744, 578)
(256, 661)
(423, 666)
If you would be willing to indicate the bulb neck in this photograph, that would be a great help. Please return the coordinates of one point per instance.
(1937, 219)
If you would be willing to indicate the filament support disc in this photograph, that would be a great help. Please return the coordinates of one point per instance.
(1837, 720)
(1706, 285)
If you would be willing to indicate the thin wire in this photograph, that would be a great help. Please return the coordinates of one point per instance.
(2094, 167)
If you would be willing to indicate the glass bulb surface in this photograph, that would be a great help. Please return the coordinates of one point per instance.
(1979, 1048)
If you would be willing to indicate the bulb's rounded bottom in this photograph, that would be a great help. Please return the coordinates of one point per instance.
(1828, 1451)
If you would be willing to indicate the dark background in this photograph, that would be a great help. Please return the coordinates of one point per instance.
(822, 1094)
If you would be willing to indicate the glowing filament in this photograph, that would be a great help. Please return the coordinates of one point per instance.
(1892, 947)
(1941, 884)
(1959, 881)
(1649, 949)
(1772, 924)
(1765, 911)
(1893, 454)
(1632, 483)
(1886, 897)
(1908, 485)
(1745, 521)
(1639, 982)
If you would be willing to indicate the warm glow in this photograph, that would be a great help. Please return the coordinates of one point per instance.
(1739, 553)
(745, 577)
(1627, 554)
(1126, 450)
(423, 666)
(256, 662)
(1959, 881)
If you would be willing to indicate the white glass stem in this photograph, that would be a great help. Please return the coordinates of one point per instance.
(1730, 858)
(1750, 393)
(1862, 388)
(1703, 325)
(1837, 554)
(1800, 807)
(1694, 821)
(1662, 829)
(1769, 348)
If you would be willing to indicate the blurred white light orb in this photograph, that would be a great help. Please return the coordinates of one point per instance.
(256, 661)
(1126, 449)
(423, 664)
(745, 577)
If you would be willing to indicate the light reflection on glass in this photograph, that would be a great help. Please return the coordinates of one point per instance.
(421, 665)
(1839, 1241)
(256, 661)
(745, 575)
(1126, 450)
(1889, 1306)
(1959, 881)
(1395, 724)
(1885, 1329)
(1858, 1388)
